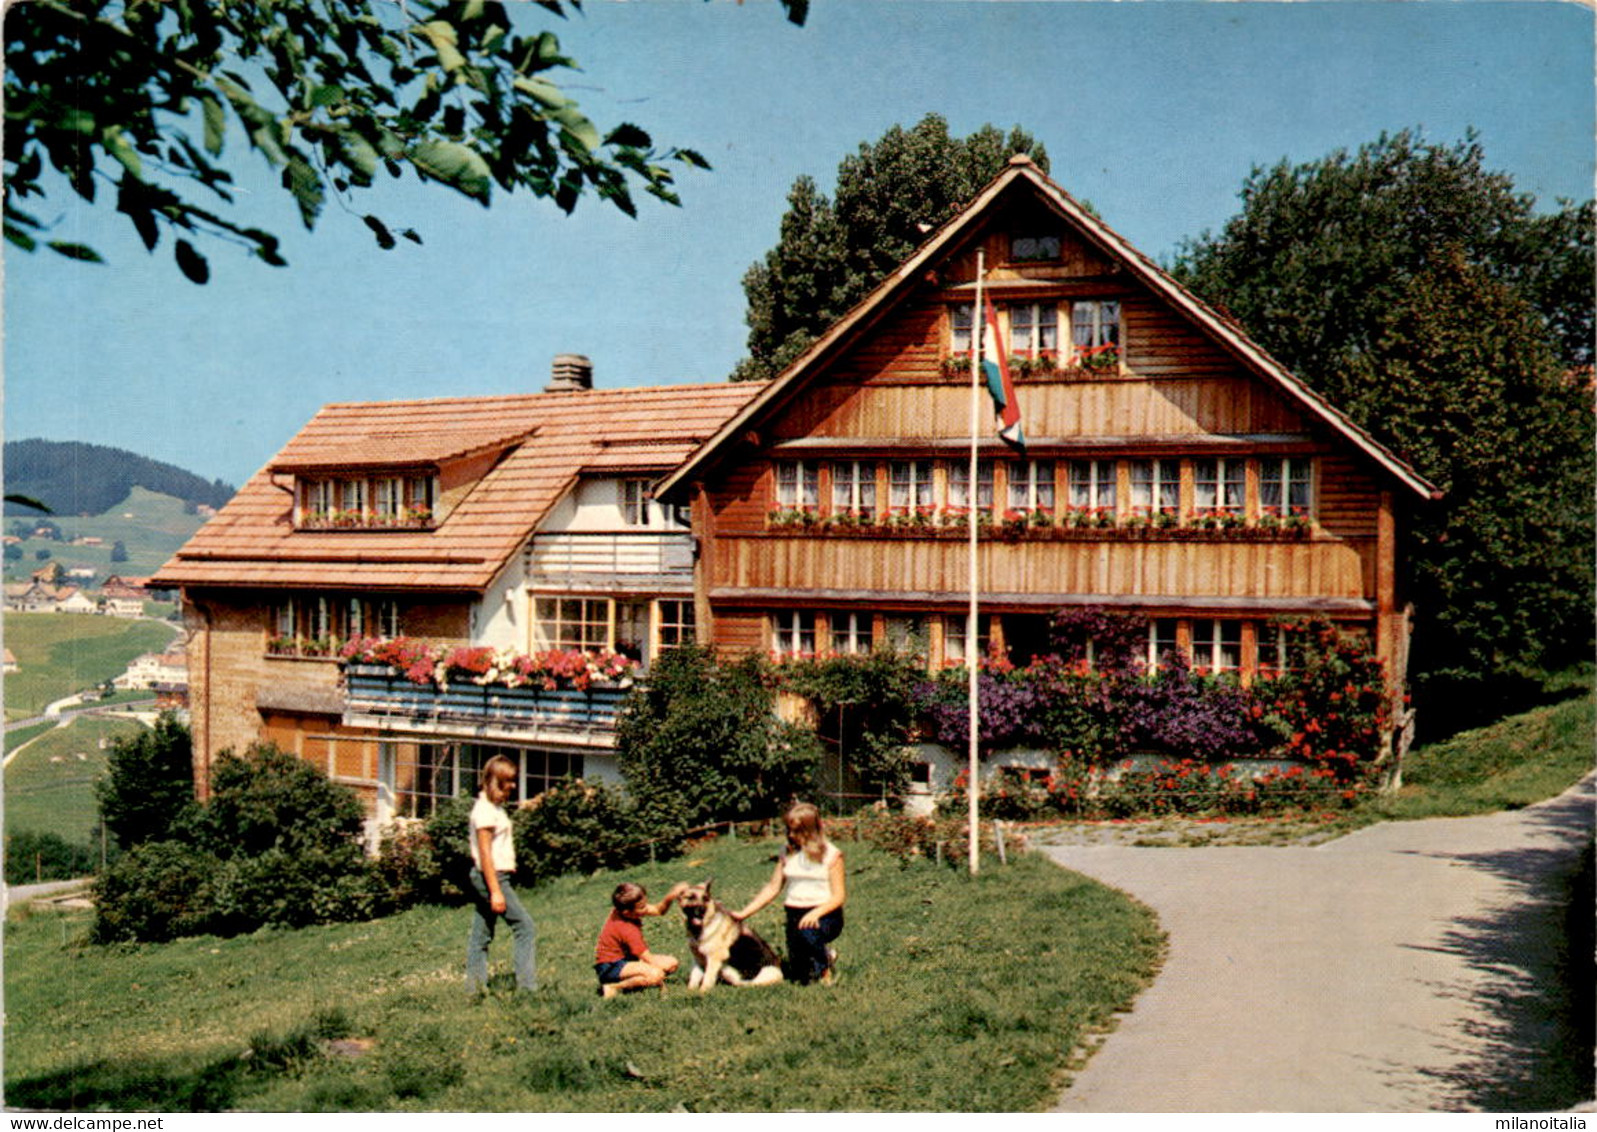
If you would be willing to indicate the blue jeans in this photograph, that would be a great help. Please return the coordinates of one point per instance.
(806, 947)
(483, 921)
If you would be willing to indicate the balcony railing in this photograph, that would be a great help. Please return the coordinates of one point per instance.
(376, 696)
(599, 558)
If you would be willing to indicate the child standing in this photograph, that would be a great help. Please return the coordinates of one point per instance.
(493, 859)
(812, 868)
(622, 958)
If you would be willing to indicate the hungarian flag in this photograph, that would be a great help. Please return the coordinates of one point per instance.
(995, 367)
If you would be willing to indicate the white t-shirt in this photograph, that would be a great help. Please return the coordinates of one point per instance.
(486, 815)
(809, 882)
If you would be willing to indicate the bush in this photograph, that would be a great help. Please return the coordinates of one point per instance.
(159, 891)
(701, 743)
(409, 868)
(277, 845)
(33, 857)
(581, 827)
(921, 838)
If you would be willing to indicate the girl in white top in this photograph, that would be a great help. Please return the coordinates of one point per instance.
(812, 869)
(493, 860)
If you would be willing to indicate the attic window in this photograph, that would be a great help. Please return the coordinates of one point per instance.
(364, 503)
(1024, 248)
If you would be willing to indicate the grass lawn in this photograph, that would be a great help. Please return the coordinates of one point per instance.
(63, 653)
(954, 994)
(50, 786)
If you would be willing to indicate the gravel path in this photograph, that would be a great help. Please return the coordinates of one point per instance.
(1392, 970)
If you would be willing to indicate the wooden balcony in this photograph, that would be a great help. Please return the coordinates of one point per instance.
(377, 697)
(573, 561)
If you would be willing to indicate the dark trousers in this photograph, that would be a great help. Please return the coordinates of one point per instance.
(806, 947)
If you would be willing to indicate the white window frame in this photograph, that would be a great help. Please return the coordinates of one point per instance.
(961, 325)
(1219, 486)
(1095, 323)
(1286, 477)
(798, 485)
(911, 485)
(1033, 330)
(954, 626)
(1164, 637)
(1032, 485)
(851, 632)
(793, 633)
(1156, 486)
(854, 488)
(959, 486)
(553, 632)
(675, 622)
(634, 502)
(1217, 646)
(1093, 484)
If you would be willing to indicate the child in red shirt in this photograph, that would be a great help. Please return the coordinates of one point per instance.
(622, 958)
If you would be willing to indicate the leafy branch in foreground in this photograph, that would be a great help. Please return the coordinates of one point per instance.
(137, 100)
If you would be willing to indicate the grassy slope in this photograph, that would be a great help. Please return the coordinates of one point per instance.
(50, 786)
(151, 527)
(1504, 766)
(62, 653)
(955, 994)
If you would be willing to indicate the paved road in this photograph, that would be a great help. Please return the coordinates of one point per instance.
(1388, 971)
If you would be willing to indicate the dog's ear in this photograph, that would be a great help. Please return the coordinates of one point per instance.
(707, 885)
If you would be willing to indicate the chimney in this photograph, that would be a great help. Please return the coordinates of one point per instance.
(569, 373)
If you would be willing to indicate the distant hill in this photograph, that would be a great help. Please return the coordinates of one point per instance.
(73, 478)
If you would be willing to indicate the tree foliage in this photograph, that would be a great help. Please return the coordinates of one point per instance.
(90, 479)
(148, 789)
(701, 743)
(1423, 295)
(138, 101)
(832, 250)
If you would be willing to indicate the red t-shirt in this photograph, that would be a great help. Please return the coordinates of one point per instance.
(619, 939)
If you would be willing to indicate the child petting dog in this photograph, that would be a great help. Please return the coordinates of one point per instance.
(622, 958)
(812, 869)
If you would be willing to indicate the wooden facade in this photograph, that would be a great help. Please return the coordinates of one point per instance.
(838, 500)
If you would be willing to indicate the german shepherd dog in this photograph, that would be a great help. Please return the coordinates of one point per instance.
(724, 949)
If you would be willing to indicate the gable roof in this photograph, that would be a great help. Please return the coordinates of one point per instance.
(548, 440)
(897, 286)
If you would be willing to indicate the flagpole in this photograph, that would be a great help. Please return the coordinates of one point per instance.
(978, 326)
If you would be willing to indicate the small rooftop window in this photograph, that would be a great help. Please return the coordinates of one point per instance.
(1034, 247)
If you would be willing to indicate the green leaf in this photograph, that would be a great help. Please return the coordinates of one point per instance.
(628, 134)
(578, 127)
(359, 154)
(327, 95)
(546, 93)
(385, 239)
(693, 157)
(76, 251)
(455, 165)
(117, 145)
(411, 234)
(215, 124)
(442, 36)
(20, 238)
(306, 185)
(191, 263)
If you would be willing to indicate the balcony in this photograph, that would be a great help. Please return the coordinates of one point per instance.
(375, 696)
(575, 561)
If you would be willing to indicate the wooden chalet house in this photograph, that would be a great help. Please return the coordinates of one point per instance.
(1172, 468)
(519, 524)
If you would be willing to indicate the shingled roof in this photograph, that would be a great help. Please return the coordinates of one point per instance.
(549, 438)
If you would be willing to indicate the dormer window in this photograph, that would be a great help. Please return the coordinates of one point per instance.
(363, 503)
(635, 503)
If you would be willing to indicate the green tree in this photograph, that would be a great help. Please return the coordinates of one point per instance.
(119, 551)
(1424, 296)
(148, 789)
(138, 101)
(832, 251)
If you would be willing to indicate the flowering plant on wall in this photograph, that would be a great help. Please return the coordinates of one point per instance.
(424, 663)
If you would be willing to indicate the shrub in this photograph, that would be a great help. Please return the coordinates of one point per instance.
(159, 891)
(449, 834)
(409, 868)
(872, 697)
(701, 743)
(582, 827)
(277, 844)
(32, 857)
(920, 838)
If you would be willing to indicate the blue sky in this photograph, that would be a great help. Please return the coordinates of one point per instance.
(1154, 111)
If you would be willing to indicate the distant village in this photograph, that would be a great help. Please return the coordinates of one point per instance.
(57, 587)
